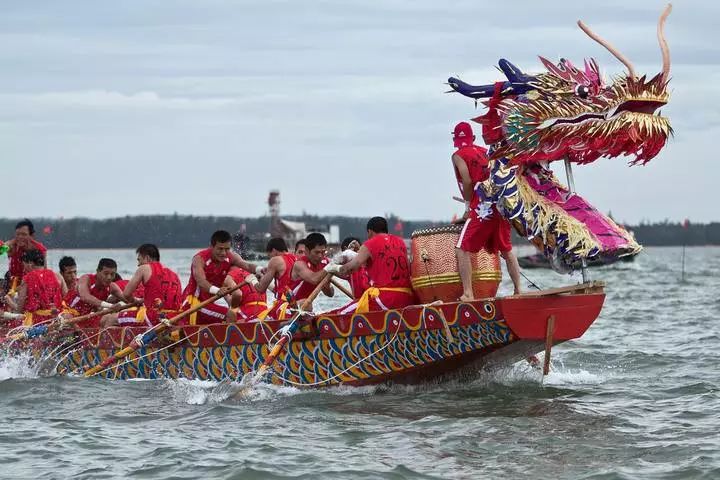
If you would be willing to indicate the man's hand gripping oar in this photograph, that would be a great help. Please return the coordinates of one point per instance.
(151, 334)
(59, 323)
(286, 335)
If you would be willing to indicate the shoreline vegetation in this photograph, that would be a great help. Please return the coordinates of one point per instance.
(188, 231)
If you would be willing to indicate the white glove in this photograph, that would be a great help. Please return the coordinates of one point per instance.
(345, 256)
(259, 271)
(106, 305)
(121, 304)
(251, 279)
(213, 290)
(332, 268)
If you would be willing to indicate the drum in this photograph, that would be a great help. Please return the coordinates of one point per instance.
(434, 269)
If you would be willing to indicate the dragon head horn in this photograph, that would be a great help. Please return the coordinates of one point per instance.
(518, 83)
(616, 53)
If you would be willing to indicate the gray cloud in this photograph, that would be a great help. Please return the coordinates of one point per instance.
(202, 107)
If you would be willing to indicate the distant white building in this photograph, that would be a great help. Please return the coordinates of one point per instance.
(293, 231)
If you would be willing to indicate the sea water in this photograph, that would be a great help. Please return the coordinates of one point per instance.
(635, 397)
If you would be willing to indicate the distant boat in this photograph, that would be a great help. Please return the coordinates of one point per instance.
(538, 260)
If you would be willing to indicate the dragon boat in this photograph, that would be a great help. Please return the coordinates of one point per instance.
(563, 114)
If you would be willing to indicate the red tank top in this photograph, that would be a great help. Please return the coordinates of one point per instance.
(359, 282)
(97, 291)
(253, 302)
(283, 283)
(388, 265)
(43, 290)
(215, 273)
(302, 289)
(477, 163)
(162, 291)
(16, 265)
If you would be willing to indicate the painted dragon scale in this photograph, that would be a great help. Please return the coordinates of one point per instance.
(571, 114)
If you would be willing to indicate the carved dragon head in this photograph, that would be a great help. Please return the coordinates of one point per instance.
(570, 112)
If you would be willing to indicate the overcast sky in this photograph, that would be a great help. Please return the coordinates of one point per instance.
(202, 107)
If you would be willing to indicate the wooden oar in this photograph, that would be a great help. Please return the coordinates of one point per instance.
(44, 329)
(342, 288)
(290, 330)
(151, 334)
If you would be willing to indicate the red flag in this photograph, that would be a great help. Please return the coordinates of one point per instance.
(398, 226)
(47, 230)
(686, 223)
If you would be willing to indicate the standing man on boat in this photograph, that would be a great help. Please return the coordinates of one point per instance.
(41, 291)
(161, 291)
(24, 241)
(386, 260)
(278, 270)
(308, 270)
(483, 226)
(207, 274)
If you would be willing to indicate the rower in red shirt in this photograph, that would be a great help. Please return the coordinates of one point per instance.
(68, 271)
(359, 280)
(484, 227)
(161, 291)
(40, 293)
(278, 270)
(207, 274)
(385, 257)
(308, 269)
(246, 303)
(93, 292)
(24, 241)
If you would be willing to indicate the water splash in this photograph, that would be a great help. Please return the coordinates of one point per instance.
(18, 365)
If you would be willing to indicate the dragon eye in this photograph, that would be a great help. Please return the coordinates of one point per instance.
(582, 91)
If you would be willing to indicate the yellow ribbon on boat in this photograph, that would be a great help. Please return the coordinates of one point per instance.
(192, 300)
(28, 322)
(14, 284)
(282, 312)
(363, 304)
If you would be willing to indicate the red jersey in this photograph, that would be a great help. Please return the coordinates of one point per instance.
(16, 265)
(388, 265)
(215, 273)
(252, 302)
(97, 291)
(302, 289)
(359, 281)
(477, 163)
(44, 291)
(162, 291)
(283, 283)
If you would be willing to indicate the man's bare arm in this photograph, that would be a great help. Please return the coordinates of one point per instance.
(238, 261)
(301, 271)
(134, 282)
(465, 176)
(84, 292)
(274, 267)
(198, 273)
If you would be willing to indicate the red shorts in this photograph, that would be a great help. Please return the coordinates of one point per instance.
(491, 233)
(133, 317)
(207, 315)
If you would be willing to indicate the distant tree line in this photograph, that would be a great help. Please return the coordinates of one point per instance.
(188, 231)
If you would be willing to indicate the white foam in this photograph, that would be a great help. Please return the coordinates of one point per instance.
(21, 365)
